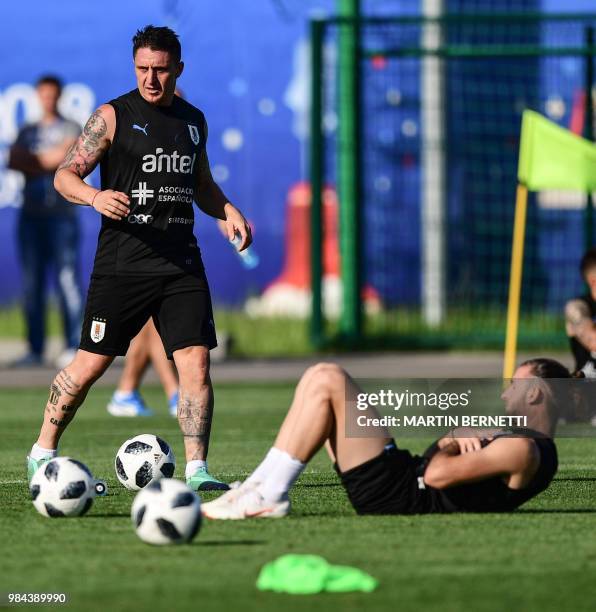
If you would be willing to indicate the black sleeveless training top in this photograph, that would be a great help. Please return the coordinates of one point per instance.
(154, 158)
(493, 495)
(581, 354)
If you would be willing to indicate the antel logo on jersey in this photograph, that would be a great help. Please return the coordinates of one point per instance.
(162, 162)
(140, 219)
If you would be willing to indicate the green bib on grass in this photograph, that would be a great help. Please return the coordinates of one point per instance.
(307, 574)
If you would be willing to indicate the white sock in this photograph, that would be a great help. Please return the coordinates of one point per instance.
(193, 466)
(266, 466)
(37, 452)
(281, 478)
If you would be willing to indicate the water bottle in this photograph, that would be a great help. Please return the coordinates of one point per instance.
(248, 257)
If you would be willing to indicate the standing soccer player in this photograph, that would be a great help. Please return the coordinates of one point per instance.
(152, 149)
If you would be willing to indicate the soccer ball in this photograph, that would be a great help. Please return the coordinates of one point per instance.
(166, 512)
(62, 487)
(143, 459)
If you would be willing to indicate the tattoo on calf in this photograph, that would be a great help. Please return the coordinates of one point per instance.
(64, 385)
(195, 417)
(55, 394)
(67, 384)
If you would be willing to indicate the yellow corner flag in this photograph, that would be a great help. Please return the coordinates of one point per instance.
(551, 157)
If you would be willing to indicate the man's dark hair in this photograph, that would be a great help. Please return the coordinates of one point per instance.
(588, 262)
(49, 79)
(157, 39)
(542, 367)
(562, 402)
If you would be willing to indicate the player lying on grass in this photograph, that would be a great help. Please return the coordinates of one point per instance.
(491, 474)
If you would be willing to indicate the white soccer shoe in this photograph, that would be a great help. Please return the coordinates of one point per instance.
(131, 405)
(242, 502)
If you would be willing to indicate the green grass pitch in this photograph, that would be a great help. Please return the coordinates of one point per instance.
(542, 557)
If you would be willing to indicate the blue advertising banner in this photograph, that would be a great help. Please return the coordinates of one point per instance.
(247, 68)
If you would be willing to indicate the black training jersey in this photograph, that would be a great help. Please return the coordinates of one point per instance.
(493, 495)
(154, 158)
(583, 357)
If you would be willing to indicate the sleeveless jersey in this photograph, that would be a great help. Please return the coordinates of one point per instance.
(154, 158)
(584, 360)
(493, 495)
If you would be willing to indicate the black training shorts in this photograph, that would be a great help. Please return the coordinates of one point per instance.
(388, 484)
(118, 307)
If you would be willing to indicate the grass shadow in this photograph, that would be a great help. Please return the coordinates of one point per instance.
(200, 542)
(314, 514)
(317, 485)
(556, 511)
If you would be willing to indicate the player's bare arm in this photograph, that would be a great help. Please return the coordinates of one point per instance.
(467, 438)
(212, 201)
(81, 159)
(579, 324)
(515, 459)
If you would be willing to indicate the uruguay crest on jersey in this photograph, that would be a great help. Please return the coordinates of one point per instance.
(194, 133)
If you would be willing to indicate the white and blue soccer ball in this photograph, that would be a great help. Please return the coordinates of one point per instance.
(62, 487)
(166, 512)
(143, 459)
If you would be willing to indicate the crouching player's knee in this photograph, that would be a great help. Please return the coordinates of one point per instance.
(327, 377)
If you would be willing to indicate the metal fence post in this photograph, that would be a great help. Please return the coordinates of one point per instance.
(349, 169)
(317, 157)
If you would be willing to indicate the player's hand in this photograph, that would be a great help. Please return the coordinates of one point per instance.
(468, 445)
(112, 204)
(236, 223)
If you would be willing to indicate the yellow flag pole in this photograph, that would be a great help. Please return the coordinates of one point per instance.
(515, 279)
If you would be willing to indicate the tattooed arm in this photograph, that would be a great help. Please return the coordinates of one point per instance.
(82, 157)
(579, 324)
(212, 201)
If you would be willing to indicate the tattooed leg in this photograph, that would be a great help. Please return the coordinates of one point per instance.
(67, 393)
(195, 412)
(195, 404)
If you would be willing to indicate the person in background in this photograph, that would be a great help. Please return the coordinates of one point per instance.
(48, 231)
(146, 347)
(580, 319)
